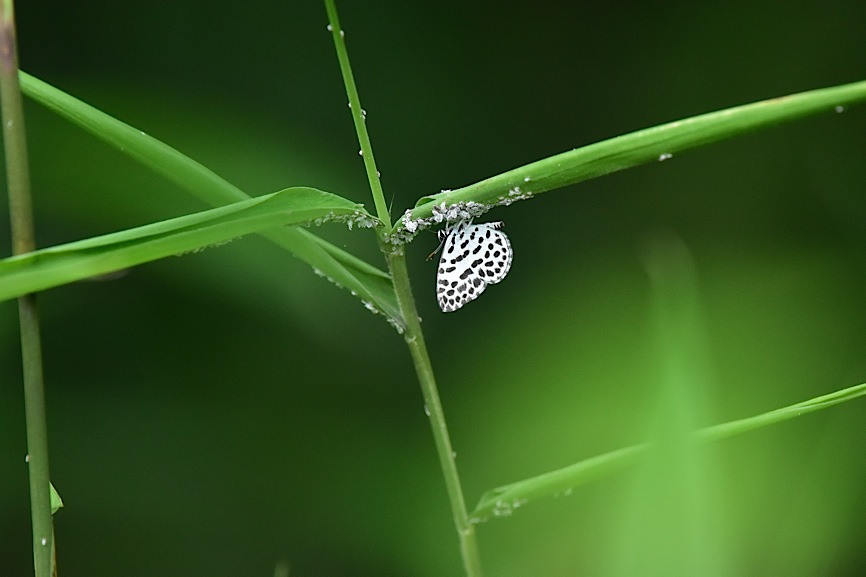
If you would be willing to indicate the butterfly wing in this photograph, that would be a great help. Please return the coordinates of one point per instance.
(473, 256)
(496, 252)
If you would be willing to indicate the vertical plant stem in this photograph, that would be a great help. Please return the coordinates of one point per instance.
(412, 333)
(415, 340)
(359, 116)
(21, 214)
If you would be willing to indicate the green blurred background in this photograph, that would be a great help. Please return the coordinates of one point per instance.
(219, 413)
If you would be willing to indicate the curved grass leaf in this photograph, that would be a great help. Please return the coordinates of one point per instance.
(74, 261)
(641, 147)
(502, 501)
(366, 281)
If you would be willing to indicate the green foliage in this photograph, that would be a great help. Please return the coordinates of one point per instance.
(655, 144)
(55, 266)
(369, 283)
(675, 482)
(51, 267)
(503, 501)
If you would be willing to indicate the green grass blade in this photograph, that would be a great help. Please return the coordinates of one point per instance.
(642, 147)
(369, 283)
(725, 430)
(501, 501)
(54, 266)
(358, 116)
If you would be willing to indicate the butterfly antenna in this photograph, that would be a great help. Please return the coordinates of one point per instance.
(442, 238)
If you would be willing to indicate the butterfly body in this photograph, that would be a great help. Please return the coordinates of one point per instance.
(473, 256)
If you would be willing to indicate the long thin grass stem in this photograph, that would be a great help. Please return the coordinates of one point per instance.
(433, 407)
(21, 214)
(412, 327)
(359, 116)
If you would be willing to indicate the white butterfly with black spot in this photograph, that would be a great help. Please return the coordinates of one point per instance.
(473, 256)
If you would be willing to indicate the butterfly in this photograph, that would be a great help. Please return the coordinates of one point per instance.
(473, 256)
